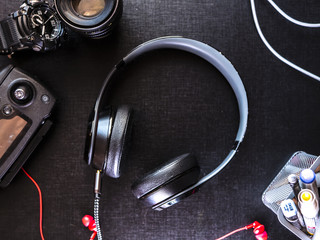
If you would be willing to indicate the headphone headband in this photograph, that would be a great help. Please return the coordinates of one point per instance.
(209, 54)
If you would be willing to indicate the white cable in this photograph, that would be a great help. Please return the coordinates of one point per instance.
(96, 217)
(303, 24)
(274, 51)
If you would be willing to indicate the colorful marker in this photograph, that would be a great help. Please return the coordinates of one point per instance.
(308, 181)
(309, 208)
(291, 213)
(294, 183)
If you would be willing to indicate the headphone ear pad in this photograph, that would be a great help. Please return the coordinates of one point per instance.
(101, 142)
(167, 180)
(121, 131)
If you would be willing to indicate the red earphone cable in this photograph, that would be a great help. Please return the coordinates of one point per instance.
(94, 234)
(40, 200)
(235, 231)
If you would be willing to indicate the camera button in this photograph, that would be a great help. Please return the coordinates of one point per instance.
(45, 98)
(7, 110)
(21, 93)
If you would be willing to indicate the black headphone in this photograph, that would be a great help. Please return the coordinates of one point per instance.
(109, 129)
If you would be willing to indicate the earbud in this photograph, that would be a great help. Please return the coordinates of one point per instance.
(90, 223)
(262, 236)
(258, 230)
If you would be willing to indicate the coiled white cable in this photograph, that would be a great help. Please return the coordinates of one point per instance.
(297, 22)
(256, 22)
(96, 217)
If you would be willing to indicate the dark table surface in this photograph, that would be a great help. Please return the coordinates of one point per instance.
(181, 105)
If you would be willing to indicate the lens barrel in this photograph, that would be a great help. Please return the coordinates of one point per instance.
(92, 18)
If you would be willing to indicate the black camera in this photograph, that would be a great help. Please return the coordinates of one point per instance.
(25, 106)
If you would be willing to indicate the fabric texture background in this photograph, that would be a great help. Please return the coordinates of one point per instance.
(181, 104)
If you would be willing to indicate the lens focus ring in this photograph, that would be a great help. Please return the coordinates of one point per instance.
(92, 18)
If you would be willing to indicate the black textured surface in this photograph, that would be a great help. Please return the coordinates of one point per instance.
(181, 105)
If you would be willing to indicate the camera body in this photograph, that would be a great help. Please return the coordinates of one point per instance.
(25, 106)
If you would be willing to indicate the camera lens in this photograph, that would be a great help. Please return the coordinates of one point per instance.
(88, 8)
(93, 18)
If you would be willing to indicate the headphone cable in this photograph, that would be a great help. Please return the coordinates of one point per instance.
(96, 217)
(275, 53)
(286, 16)
(233, 232)
(40, 201)
(97, 194)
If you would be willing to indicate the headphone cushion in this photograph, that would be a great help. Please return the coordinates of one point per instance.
(101, 140)
(164, 175)
(120, 132)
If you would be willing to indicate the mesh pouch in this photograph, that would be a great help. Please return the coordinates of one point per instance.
(279, 189)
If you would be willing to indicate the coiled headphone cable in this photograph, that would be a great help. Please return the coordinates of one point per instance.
(96, 217)
(97, 194)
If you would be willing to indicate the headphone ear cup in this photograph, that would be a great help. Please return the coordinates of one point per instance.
(167, 180)
(101, 140)
(121, 131)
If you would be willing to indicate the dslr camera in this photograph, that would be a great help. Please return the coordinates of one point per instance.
(25, 107)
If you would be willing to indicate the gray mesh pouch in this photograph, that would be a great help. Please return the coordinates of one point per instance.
(279, 189)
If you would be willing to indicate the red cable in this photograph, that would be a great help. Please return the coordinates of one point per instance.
(235, 231)
(40, 200)
(94, 234)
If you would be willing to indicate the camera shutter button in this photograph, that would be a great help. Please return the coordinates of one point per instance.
(21, 93)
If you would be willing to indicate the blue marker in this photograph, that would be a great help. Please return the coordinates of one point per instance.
(308, 181)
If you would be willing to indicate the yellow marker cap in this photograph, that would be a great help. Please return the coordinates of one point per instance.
(306, 196)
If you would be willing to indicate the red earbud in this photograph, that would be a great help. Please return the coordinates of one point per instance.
(90, 223)
(262, 236)
(258, 230)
